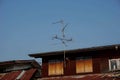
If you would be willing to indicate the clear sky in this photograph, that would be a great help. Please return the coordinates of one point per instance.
(26, 25)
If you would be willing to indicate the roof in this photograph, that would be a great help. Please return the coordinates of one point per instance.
(28, 74)
(13, 62)
(104, 76)
(40, 55)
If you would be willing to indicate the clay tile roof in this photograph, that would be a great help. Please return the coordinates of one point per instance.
(28, 74)
(14, 74)
(11, 75)
(85, 77)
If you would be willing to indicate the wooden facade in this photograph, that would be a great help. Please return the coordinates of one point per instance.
(80, 61)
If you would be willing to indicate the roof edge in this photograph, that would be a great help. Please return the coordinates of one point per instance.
(40, 55)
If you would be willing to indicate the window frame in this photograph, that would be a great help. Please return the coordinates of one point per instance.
(83, 61)
(114, 64)
(55, 65)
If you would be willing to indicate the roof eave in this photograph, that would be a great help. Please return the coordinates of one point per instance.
(41, 55)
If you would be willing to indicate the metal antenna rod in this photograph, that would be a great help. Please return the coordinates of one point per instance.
(63, 38)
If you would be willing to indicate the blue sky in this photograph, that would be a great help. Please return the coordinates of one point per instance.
(26, 25)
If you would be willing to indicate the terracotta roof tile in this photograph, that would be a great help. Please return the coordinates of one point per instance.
(11, 75)
(28, 74)
(14, 74)
(1, 75)
(84, 77)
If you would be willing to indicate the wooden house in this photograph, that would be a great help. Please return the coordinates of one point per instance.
(92, 60)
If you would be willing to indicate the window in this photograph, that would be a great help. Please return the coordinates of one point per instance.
(84, 65)
(55, 67)
(114, 64)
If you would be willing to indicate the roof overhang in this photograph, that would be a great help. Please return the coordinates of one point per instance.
(54, 53)
(16, 62)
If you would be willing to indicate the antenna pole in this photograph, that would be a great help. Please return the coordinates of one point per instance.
(64, 57)
(63, 38)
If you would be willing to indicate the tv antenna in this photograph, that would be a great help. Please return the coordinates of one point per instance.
(62, 38)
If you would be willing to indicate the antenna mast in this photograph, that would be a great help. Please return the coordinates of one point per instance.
(63, 38)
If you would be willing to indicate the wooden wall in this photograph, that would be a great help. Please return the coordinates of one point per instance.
(69, 67)
(44, 68)
(99, 62)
